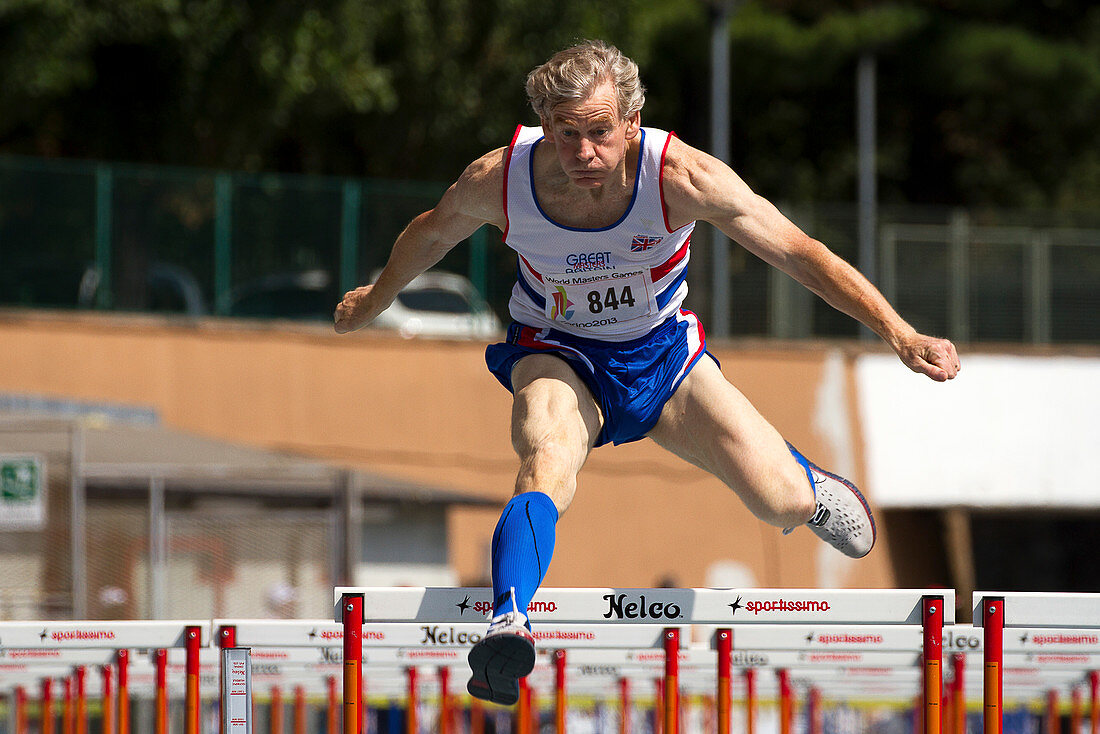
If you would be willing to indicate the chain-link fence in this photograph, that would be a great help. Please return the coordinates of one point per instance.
(105, 549)
(198, 242)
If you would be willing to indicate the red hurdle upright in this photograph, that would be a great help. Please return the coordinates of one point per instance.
(352, 613)
(191, 712)
(108, 699)
(160, 663)
(993, 622)
(672, 681)
(1094, 713)
(932, 620)
(725, 702)
(122, 657)
(559, 691)
(47, 721)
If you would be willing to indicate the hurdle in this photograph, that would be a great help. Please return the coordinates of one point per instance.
(405, 645)
(1058, 614)
(930, 609)
(116, 636)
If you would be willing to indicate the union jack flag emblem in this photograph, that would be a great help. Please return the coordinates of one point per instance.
(642, 242)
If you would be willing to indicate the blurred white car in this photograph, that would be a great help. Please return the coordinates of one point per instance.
(436, 303)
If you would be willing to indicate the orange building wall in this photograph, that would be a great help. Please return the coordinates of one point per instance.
(430, 411)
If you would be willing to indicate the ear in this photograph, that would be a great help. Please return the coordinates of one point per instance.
(633, 125)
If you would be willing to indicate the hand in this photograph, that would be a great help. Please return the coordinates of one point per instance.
(930, 356)
(356, 310)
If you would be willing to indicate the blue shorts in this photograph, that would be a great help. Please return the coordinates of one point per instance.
(630, 380)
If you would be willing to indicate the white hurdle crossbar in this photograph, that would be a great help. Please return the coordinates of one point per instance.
(675, 607)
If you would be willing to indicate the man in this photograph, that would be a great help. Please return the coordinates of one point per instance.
(600, 212)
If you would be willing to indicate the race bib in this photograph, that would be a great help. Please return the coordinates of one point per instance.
(598, 298)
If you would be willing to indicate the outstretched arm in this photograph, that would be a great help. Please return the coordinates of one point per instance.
(698, 186)
(475, 199)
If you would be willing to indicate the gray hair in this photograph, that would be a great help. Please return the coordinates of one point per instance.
(574, 73)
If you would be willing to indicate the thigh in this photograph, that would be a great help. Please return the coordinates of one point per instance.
(711, 424)
(555, 423)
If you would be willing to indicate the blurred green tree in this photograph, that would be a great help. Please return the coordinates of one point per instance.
(981, 102)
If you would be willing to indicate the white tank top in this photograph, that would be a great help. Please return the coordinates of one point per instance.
(613, 283)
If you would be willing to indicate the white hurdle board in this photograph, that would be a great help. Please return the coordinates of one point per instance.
(444, 605)
(323, 633)
(100, 635)
(1042, 609)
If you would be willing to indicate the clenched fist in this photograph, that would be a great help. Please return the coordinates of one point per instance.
(357, 309)
(930, 356)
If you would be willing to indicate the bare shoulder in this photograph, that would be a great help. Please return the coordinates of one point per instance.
(696, 185)
(479, 191)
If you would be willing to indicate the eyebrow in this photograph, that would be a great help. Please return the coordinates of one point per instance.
(602, 119)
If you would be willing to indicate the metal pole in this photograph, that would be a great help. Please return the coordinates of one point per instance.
(725, 649)
(351, 606)
(123, 659)
(958, 664)
(158, 547)
(81, 700)
(20, 710)
(719, 141)
(104, 194)
(932, 616)
(672, 681)
(47, 722)
(67, 708)
(1094, 711)
(750, 701)
(77, 519)
(445, 700)
(227, 637)
(192, 643)
(867, 187)
(299, 710)
(993, 621)
(223, 238)
(412, 726)
(959, 289)
(559, 691)
(785, 707)
(160, 662)
(349, 234)
(108, 703)
(477, 716)
(1075, 710)
(333, 714)
(523, 709)
(276, 710)
(624, 705)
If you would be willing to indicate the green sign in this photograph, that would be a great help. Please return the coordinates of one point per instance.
(22, 491)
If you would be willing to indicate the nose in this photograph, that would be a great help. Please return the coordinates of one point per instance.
(586, 151)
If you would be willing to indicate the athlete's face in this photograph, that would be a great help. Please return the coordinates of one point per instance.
(590, 137)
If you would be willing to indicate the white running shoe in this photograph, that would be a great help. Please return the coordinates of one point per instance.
(504, 655)
(842, 517)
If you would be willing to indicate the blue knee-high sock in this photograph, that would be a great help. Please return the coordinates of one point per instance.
(523, 543)
(805, 465)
